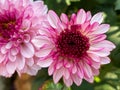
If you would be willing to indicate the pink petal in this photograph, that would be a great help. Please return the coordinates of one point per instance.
(30, 61)
(95, 71)
(20, 62)
(45, 63)
(58, 74)
(94, 57)
(68, 82)
(97, 38)
(28, 13)
(51, 69)
(10, 67)
(53, 18)
(8, 45)
(107, 45)
(97, 18)
(87, 70)
(3, 50)
(81, 17)
(26, 38)
(27, 50)
(91, 79)
(80, 70)
(64, 18)
(105, 60)
(39, 41)
(96, 65)
(14, 51)
(76, 79)
(11, 57)
(103, 28)
(74, 69)
(102, 53)
(3, 71)
(66, 73)
(44, 51)
(88, 16)
(72, 19)
(26, 25)
(2, 57)
(59, 65)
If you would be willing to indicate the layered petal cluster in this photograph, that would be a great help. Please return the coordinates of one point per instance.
(75, 48)
(20, 22)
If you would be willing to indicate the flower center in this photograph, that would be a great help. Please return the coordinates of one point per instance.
(71, 43)
(9, 25)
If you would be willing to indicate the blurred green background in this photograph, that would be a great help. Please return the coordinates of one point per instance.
(109, 78)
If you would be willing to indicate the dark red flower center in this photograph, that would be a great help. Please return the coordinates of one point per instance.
(9, 24)
(71, 43)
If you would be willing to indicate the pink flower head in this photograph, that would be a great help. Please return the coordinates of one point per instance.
(20, 21)
(73, 49)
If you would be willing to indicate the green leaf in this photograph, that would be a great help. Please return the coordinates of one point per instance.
(49, 85)
(117, 5)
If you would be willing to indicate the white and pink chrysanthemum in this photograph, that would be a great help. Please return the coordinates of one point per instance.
(20, 21)
(73, 49)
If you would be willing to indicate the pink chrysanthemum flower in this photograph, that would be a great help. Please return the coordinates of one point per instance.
(73, 49)
(20, 21)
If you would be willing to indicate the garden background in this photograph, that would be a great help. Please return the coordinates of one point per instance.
(109, 78)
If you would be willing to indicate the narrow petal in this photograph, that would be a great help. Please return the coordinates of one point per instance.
(66, 73)
(87, 70)
(64, 18)
(103, 28)
(51, 69)
(58, 74)
(53, 18)
(97, 18)
(74, 69)
(81, 17)
(68, 82)
(88, 16)
(76, 79)
(105, 60)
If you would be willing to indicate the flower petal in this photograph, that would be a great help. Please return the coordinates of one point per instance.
(76, 79)
(105, 60)
(68, 82)
(53, 18)
(97, 18)
(27, 50)
(10, 67)
(44, 51)
(45, 63)
(103, 28)
(58, 74)
(64, 18)
(20, 62)
(2, 57)
(81, 17)
(39, 41)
